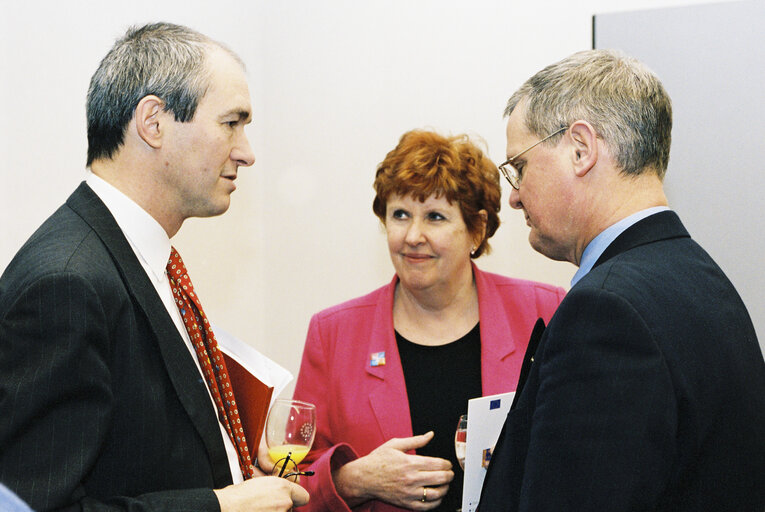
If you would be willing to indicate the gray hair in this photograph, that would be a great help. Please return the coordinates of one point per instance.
(162, 59)
(619, 96)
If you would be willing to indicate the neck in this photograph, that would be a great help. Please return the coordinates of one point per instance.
(436, 317)
(135, 180)
(622, 197)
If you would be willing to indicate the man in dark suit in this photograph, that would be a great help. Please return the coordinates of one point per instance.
(647, 389)
(103, 405)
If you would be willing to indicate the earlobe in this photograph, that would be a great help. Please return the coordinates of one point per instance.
(585, 147)
(148, 120)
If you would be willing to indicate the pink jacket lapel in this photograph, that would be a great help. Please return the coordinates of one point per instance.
(388, 398)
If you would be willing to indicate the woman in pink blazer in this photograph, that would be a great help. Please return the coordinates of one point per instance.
(390, 372)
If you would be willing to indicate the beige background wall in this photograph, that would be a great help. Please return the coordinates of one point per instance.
(334, 85)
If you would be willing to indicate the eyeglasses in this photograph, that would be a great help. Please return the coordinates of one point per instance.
(286, 468)
(510, 172)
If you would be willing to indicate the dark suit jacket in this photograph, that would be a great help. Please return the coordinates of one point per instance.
(101, 404)
(647, 391)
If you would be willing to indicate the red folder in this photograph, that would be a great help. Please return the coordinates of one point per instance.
(253, 398)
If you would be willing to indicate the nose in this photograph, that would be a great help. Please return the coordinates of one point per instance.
(242, 153)
(515, 199)
(414, 233)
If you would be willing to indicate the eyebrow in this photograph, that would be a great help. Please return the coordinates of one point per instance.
(244, 115)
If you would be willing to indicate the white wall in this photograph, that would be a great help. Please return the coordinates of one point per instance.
(334, 85)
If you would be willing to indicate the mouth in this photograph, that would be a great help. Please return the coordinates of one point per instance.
(416, 257)
(228, 182)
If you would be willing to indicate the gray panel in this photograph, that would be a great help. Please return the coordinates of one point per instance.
(711, 59)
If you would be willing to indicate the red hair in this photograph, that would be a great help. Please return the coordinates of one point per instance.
(425, 163)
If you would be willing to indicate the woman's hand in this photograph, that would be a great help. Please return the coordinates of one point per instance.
(391, 475)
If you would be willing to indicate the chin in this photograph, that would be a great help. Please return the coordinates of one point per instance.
(413, 284)
(546, 247)
(213, 210)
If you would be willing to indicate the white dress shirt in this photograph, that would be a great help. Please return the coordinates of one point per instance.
(151, 246)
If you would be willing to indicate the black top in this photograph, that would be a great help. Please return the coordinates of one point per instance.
(439, 382)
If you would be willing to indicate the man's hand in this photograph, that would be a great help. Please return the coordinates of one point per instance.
(262, 494)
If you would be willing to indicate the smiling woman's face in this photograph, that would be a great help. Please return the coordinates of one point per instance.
(428, 241)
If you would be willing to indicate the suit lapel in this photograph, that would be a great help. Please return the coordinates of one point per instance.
(388, 399)
(181, 368)
(528, 359)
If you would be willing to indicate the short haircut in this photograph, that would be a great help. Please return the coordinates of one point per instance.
(425, 163)
(166, 60)
(618, 95)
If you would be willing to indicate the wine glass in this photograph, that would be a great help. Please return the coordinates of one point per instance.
(460, 440)
(290, 429)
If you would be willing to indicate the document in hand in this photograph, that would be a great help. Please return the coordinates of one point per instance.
(256, 380)
(486, 415)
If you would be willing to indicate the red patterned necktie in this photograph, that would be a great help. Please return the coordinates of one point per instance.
(210, 358)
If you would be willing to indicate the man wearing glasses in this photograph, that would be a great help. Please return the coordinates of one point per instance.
(647, 389)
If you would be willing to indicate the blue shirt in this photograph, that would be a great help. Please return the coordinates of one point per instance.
(9, 502)
(600, 243)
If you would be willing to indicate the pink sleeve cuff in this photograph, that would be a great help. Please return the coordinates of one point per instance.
(320, 486)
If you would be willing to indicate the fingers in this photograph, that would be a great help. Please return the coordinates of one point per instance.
(406, 444)
(299, 495)
(410, 443)
(413, 462)
(264, 494)
(437, 478)
(427, 498)
(434, 464)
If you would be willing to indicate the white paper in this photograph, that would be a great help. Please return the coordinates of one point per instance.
(486, 415)
(264, 369)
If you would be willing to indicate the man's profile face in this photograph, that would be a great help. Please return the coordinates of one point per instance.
(204, 154)
(545, 193)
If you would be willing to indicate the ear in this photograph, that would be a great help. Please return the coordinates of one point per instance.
(481, 232)
(584, 149)
(148, 117)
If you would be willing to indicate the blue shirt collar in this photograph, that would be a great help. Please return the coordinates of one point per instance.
(600, 243)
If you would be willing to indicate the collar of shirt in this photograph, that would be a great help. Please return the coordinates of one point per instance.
(147, 238)
(600, 243)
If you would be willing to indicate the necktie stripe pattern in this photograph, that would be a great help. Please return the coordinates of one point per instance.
(210, 358)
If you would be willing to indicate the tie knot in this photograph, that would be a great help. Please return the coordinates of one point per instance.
(176, 270)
